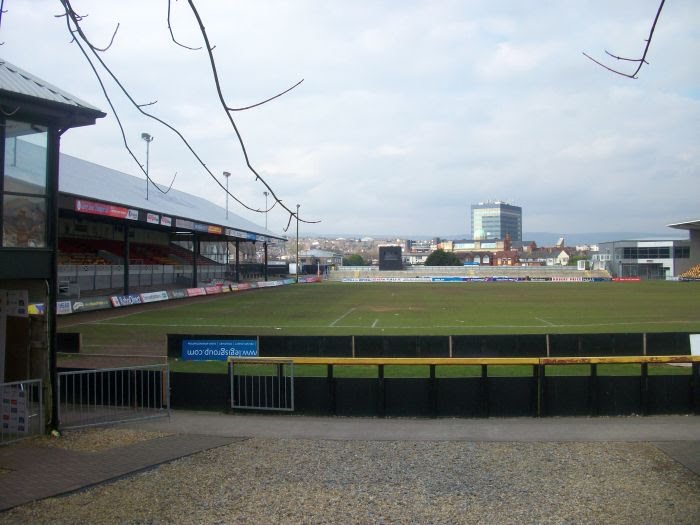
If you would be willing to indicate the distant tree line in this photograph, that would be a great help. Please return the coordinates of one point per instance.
(442, 258)
(355, 260)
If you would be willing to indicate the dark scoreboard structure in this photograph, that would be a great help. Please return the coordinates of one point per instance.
(390, 258)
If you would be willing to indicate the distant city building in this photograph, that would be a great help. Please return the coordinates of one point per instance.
(495, 220)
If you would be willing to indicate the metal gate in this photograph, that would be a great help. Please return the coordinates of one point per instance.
(112, 395)
(261, 384)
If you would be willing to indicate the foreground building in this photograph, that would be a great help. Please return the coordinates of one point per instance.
(648, 259)
(35, 115)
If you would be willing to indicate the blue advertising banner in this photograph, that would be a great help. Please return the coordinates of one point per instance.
(218, 349)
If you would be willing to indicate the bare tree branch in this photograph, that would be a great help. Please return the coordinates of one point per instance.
(172, 35)
(268, 100)
(103, 49)
(76, 29)
(640, 61)
(90, 51)
(225, 106)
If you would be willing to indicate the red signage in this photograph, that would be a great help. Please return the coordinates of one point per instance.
(108, 210)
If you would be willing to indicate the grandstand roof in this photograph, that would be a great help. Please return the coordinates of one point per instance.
(688, 225)
(21, 85)
(90, 181)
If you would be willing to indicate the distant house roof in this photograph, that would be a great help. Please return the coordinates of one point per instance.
(34, 94)
(87, 180)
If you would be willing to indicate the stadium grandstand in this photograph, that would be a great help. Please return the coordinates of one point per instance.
(112, 237)
(693, 228)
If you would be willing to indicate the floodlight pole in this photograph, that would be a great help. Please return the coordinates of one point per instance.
(266, 194)
(297, 244)
(148, 138)
(226, 176)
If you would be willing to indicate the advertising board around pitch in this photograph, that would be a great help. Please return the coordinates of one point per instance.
(218, 349)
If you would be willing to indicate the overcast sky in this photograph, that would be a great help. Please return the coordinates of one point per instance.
(409, 111)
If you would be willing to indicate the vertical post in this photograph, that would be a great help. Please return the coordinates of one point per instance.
(593, 390)
(382, 394)
(644, 389)
(238, 259)
(265, 261)
(195, 254)
(126, 258)
(433, 393)
(53, 147)
(331, 390)
(266, 210)
(148, 138)
(297, 277)
(540, 404)
(695, 389)
(484, 391)
(226, 176)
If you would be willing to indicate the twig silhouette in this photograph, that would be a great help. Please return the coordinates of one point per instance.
(640, 61)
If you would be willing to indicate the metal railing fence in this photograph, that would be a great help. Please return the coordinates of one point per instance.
(21, 410)
(112, 395)
(267, 386)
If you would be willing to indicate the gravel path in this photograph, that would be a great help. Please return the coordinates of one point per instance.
(321, 481)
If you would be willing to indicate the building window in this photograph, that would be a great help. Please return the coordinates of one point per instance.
(647, 252)
(681, 252)
(24, 196)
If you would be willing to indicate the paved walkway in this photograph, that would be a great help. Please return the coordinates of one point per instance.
(40, 472)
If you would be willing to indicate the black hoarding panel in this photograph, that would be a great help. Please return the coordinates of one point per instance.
(470, 346)
(402, 346)
(305, 346)
(595, 345)
(564, 345)
(458, 397)
(668, 343)
(357, 397)
(407, 397)
(499, 345)
(433, 346)
(566, 396)
(199, 391)
(312, 396)
(669, 394)
(619, 395)
(512, 396)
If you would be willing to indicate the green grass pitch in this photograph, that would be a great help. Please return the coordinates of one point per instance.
(334, 308)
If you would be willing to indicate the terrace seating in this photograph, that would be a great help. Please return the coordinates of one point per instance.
(78, 252)
(106, 251)
(692, 273)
